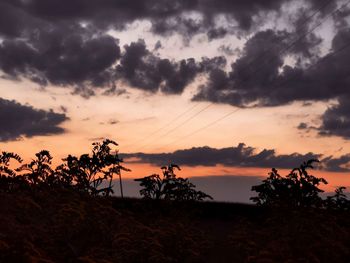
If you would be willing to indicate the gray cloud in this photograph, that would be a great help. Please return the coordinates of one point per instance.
(61, 56)
(341, 164)
(115, 14)
(271, 83)
(239, 156)
(336, 119)
(142, 69)
(256, 79)
(22, 120)
(65, 43)
(263, 84)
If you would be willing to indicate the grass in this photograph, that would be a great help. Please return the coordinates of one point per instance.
(66, 226)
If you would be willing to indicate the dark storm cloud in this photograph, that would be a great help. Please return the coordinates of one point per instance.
(216, 33)
(166, 16)
(239, 156)
(143, 70)
(266, 82)
(22, 120)
(62, 56)
(341, 164)
(259, 77)
(116, 13)
(65, 43)
(336, 119)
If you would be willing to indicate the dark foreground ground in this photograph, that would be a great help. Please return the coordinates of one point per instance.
(69, 227)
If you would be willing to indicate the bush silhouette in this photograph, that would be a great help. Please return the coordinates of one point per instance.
(38, 172)
(88, 173)
(170, 187)
(339, 200)
(298, 189)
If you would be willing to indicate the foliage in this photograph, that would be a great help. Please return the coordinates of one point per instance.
(87, 173)
(170, 187)
(38, 171)
(90, 171)
(339, 200)
(9, 180)
(298, 189)
(5, 158)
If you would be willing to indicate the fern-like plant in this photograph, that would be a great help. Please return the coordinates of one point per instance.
(9, 180)
(38, 171)
(169, 187)
(89, 171)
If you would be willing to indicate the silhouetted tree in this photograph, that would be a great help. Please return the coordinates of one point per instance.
(297, 189)
(169, 187)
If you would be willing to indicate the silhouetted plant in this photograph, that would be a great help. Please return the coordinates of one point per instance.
(299, 188)
(5, 158)
(89, 172)
(9, 180)
(339, 200)
(169, 186)
(38, 171)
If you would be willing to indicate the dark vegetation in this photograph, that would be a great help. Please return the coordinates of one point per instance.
(67, 214)
(170, 187)
(83, 174)
(298, 189)
(88, 173)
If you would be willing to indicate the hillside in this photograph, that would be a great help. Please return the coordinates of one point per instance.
(65, 226)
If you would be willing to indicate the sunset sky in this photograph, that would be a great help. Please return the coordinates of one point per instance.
(225, 89)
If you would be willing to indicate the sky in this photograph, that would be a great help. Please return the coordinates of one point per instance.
(225, 89)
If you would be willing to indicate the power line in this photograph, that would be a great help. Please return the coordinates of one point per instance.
(202, 128)
(261, 56)
(347, 45)
(288, 47)
(281, 52)
(326, 57)
(187, 120)
(164, 126)
(309, 31)
(181, 124)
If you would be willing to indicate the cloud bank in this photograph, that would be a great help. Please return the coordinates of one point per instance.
(240, 156)
(19, 121)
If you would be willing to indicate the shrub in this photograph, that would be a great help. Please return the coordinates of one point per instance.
(88, 173)
(9, 179)
(339, 200)
(170, 187)
(38, 171)
(298, 189)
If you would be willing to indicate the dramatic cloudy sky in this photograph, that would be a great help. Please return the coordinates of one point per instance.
(226, 89)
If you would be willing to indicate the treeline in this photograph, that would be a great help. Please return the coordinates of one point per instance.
(93, 174)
